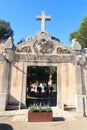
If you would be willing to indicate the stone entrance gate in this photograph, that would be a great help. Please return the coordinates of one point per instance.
(42, 49)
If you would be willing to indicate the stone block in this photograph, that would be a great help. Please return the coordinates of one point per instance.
(75, 45)
(3, 101)
(81, 104)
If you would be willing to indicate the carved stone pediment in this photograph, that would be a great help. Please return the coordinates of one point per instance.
(42, 44)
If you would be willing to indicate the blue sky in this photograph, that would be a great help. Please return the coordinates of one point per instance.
(66, 16)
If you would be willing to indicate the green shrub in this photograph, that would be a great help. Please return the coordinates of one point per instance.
(39, 108)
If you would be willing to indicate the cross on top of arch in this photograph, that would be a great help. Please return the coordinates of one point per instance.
(43, 19)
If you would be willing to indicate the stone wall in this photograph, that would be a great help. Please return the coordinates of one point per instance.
(82, 89)
(16, 83)
(68, 83)
(85, 79)
(1, 74)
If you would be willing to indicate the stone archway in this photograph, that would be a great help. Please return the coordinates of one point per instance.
(42, 49)
(65, 84)
(25, 78)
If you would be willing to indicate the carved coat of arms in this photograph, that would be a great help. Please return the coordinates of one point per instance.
(43, 46)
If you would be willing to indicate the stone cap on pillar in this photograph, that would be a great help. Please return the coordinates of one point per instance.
(9, 43)
(75, 45)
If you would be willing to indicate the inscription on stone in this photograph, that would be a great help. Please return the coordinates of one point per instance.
(45, 58)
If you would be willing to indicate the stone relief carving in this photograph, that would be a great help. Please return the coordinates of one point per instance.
(42, 35)
(43, 43)
(30, 40)
(43, 46)
(61, 50)
(24, 49)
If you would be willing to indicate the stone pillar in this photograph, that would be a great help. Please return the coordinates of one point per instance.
(79, 79)
(24, 79)
(59, 104)
(5, 86)
(80, 87)
(5, 79)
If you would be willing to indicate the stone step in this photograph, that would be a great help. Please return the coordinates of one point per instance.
(12, 107)
(69, 108)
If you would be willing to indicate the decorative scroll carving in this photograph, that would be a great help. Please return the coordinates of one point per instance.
(24, 49)
(63, 51)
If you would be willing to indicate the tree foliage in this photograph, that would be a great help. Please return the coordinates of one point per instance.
(5, 30)
(81, 33)
(41, 74)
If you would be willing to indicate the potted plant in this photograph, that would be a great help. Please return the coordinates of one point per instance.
(39, 113)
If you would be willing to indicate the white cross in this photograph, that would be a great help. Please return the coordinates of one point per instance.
(43, 19)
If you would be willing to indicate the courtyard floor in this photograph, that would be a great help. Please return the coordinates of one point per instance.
(63, 120)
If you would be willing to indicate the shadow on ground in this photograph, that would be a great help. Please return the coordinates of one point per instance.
(58, 119)
(5, 127)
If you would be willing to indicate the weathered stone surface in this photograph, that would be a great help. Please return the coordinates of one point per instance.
(44, 18)
(85, 80)
(68, 58)
(3, 101)
(42, 44)
(5, 77)
(1, 74)
(9, 43)
(16, 83)
(75, 45)
(80, 103)
(68, 84)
